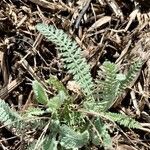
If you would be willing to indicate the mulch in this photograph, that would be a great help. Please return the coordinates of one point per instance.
(114, 30)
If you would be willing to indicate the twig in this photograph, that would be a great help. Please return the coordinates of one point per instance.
(29, 69)
(114, 6)
(4, 63)
(80, 16)
(48, 5)
(4, 92)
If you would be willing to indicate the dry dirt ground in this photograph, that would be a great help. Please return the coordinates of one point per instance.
(114, 30)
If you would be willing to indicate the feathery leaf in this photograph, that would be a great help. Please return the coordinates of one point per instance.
(123, 120)
(71, 55)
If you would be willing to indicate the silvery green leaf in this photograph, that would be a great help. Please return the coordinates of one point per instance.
(71, 139)
(121, 77)
(40, 92)
(103, 133)
(56, 102)
(50, 144)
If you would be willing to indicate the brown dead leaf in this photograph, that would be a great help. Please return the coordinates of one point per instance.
(74, 87)
(100, 22)
(125, 147)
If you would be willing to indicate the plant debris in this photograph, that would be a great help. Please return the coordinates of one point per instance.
(113, 30)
